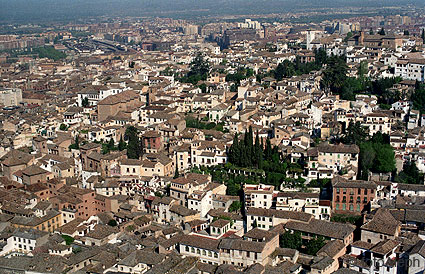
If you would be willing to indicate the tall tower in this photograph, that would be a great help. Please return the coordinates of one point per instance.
(311, 34)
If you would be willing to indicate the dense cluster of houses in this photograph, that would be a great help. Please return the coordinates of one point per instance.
(73, 201)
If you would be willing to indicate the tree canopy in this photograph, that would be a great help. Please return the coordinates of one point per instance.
(410, 174)
(418, 97)
(199, 70)
(335, 74)
(134, 147)
(291, 240)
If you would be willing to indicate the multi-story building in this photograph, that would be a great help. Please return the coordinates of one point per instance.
(411, 69)
(377, 122)
(303, 202)
(181, 188)
(113, 104)
(10, 97)
(82, 201)
(94, 96)
(268, 218)
(23, 242)
(334, 158)
(208, 153)
(259, 196)
(352, 196)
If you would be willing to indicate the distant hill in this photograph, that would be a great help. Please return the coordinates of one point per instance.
(35, 10)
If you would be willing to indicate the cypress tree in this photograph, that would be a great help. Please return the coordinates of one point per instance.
(134, 149)
(121, 144)
(176, 173)
(251, 151)
(77, 142)
(268, 151)
(234, 151)
(111, 144)
(258, 152)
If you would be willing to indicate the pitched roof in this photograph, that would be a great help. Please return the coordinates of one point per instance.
(382, 222)
(200, 242)
(322, 228)
(281, 214)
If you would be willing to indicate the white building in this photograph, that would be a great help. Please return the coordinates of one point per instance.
(258, 196)
(24, 242)
(10, 97)
(94, 96)
(412, 69)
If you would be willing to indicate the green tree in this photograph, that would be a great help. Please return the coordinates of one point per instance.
(314, 245)
(381, 31)
(112, 222)
(321, 57)
(134, 148)
(385, 158)
(233, 188)
(49, 52)
(203, 87)
(68, 239)
(423, 36)
(63, 127)
(346, 218)
(85, 102)
(355, 134)
(381, 88)
(106, 148)
(418, 97)
(121, 145)
(76, 144)
(376, 155)
(406, 32)
(291, 240)
(176, 173)
(348, 36)
(235, 206)
(366, 159)
(284, 69)
(199, 70)
(361, 72)
(335, 74)
(410, 174)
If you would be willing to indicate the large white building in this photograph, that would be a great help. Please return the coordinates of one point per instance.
(412, 69)
(24, 242)
(94, 96)
(10, 97)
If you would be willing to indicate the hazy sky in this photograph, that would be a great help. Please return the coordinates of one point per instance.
(29, 10)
